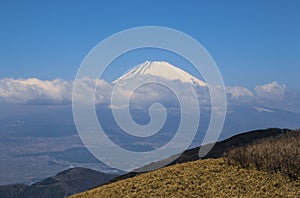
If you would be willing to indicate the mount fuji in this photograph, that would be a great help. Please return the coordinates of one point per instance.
(240, 116)
(160, 69)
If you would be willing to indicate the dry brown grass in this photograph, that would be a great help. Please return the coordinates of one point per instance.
(278, 154)
(204, 178)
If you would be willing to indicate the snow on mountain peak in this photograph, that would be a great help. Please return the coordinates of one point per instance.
(161, 69)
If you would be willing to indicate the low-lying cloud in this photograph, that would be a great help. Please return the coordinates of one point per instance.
(59, 91)
(239, 94)
(272, 91)
(35, 91)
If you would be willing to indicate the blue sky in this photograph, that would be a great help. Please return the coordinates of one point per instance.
(253, 42)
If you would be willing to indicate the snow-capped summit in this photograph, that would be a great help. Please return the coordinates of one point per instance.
(161, 69)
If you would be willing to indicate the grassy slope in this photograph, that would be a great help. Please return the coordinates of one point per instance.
(209, 178)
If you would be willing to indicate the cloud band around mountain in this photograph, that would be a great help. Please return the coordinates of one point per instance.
(59, 91)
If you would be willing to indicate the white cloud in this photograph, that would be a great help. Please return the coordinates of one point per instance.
(149, 93)
(240, 94)
(33, 90)
(270, 92)
(59, 91)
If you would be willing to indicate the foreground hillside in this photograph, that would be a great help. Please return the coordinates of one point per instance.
(219, 149)
(202, 178)
(80, 179)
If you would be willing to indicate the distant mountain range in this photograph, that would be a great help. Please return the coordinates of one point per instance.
(57, 121)
(65, 183)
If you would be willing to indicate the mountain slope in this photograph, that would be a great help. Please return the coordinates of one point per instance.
(160, 69)
(203, 178)
(217, 151)
(65, 183)
(80, 179)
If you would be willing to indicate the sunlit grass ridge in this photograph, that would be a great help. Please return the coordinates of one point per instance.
(206, 178)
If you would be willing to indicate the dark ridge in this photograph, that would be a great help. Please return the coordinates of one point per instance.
(235, 141)
(63, 184)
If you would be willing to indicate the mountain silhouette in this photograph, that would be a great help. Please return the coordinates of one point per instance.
(63, 184)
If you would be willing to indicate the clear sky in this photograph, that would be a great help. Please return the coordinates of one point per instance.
(253, 42)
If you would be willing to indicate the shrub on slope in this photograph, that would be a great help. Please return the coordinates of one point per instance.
(276, 154)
